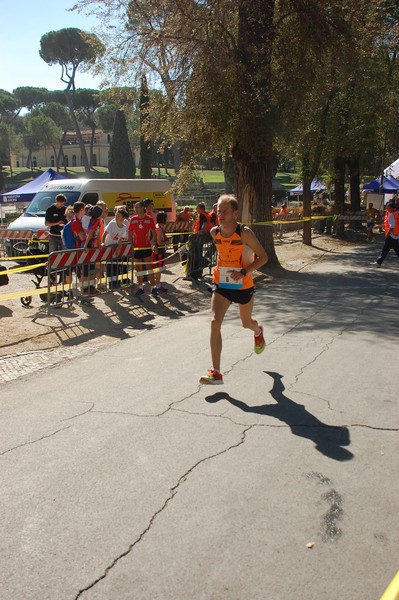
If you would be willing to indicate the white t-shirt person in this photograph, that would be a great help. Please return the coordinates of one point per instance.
(116, 230)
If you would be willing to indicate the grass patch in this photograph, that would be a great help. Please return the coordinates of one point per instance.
(288, 180)
(24, 175)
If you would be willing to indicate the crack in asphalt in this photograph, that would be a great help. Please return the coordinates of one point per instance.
(202, 414)
(173, 491)
(323, 349)
(230, 419)
(80, 414)
(43, 437)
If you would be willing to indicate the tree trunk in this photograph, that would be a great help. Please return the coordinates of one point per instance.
(145, 144)
(307, 211)
(339, 192)
(354, 175)
(176, 152)
(60, 154)
(78, 132)
(29, 159)
(253, 148)
(1, 177)
(229, 173)
(307, 178)
(254, 182)
(93, 133)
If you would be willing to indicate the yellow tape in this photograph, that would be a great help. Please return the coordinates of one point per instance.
(392, 591)
(23, 257)
(286, 221)
(35, 292)
(23, 269)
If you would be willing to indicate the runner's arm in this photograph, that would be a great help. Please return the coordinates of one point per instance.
(261, 257)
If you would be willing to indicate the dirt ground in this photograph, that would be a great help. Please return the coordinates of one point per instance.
(119, 315)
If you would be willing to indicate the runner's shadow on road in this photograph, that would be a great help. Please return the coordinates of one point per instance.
(328, 439)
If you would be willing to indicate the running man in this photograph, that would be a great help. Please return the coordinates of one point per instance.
(239, 255)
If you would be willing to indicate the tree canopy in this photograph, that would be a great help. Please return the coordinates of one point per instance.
(71, 48)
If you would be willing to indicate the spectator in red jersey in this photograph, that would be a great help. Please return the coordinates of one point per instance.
(142, 234)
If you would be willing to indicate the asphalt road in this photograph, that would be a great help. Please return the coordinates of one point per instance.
(122, 478)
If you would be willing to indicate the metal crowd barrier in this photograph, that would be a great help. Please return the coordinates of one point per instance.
(81, 274)
(198, 254)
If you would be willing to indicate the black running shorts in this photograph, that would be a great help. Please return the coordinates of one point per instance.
(236, 296)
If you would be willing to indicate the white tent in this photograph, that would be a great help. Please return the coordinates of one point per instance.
(393, 169)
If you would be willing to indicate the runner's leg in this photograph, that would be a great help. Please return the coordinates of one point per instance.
(148, 261)
(219, 306)
(246, 316)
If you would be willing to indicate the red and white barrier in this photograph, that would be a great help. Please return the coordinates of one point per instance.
(23, 234)
(178, 227)
(70, 258)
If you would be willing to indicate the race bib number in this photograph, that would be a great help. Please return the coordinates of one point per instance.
(225, 280)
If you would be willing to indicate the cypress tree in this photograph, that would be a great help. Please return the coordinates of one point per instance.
(145, 146)
(121, 163)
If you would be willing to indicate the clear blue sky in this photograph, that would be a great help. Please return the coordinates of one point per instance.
(23, 24)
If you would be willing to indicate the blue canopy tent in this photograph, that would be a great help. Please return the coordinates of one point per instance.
(26, 192)
(316, 186)
(390, 185)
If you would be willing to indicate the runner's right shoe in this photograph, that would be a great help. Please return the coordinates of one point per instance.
(212, 378)
(260, 343)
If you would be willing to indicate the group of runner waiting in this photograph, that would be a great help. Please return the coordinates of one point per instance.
(145, 232)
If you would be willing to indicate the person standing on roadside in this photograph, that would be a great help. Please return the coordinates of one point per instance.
(184, 216)
(69, 213)
(141, 232)
(149, 207)
(239, 254)
(203, 221)
(282, 215)
(159, 254)
(371, 215)
(104, 207)
(84, 271)
(93, 234)
(114, 234)
(55, 219)
(199, 238)
(391, 229)
(214, 215)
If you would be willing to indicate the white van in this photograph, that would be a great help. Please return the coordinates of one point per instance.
(115, 192)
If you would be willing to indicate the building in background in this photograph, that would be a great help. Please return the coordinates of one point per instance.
(44, 157)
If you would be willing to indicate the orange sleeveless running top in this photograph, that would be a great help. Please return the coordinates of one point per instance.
(387, 227)
(231, 254)
(396, 228)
